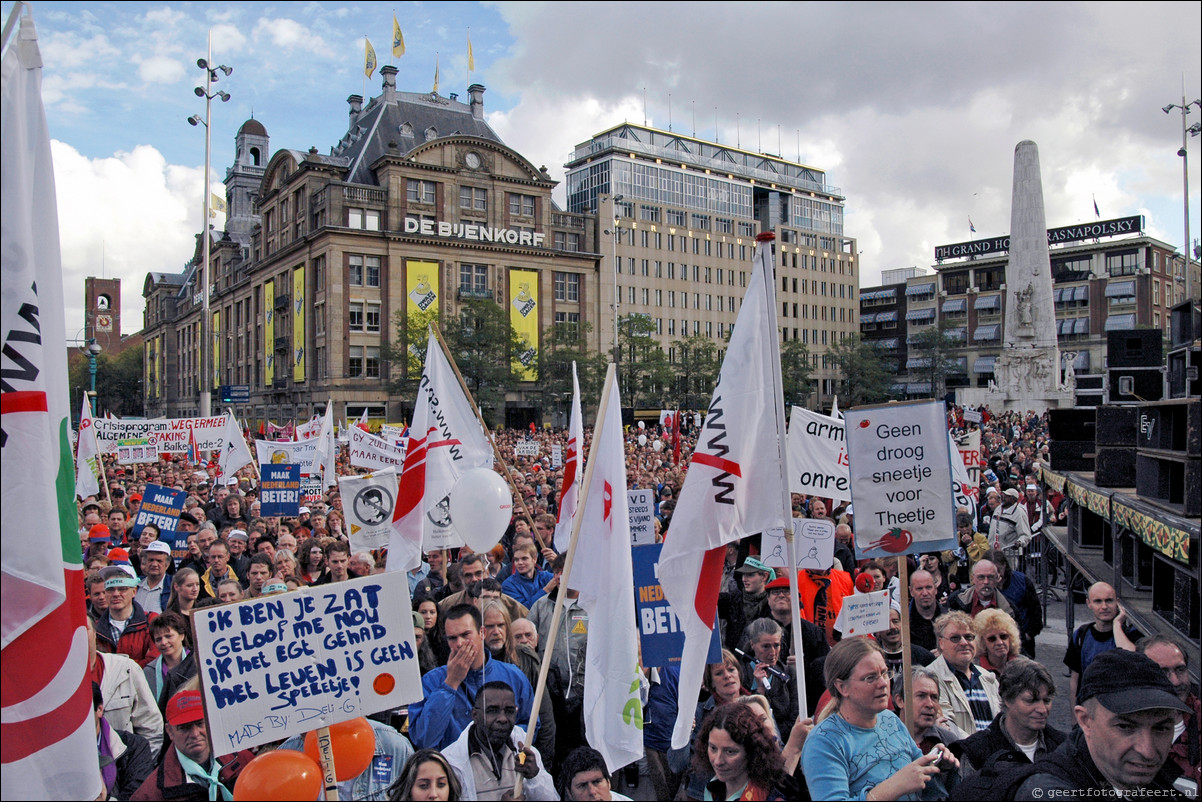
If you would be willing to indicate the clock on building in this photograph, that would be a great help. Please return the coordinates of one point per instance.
(472, 160)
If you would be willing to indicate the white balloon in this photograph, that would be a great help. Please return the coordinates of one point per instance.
(642, 439)
(642, 425)
(658, 445)
(481, 506)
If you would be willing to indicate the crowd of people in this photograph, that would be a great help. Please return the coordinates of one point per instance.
(975, 725)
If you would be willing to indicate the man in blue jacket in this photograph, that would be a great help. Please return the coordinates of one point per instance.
(527, 584)
(449, 691)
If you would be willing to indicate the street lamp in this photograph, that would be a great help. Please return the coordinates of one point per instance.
(1184, 154)
(617, 269)
(92, 350)
(206, 345)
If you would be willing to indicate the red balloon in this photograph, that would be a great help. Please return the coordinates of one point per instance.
(354, 745)
(279, 775)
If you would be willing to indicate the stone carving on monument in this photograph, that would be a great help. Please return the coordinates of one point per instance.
(1070, 371)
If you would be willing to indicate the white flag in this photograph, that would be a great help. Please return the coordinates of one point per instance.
(835, 413)
(734, 486)
(47, 728)
(306, 431)
(324, 461)
(87, 455)
(569, 494)
(367, 502)
(234, 452)
(445, 441)
(602, 569)
(363, 418)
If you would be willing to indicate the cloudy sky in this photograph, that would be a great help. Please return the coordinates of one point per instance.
(912, 109)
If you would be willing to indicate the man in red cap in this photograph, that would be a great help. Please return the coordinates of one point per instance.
(187, 769)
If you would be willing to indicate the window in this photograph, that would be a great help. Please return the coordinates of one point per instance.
(954, 283)
(675, 218)
(671, 327)
(649, 213)
(354, 270)
(420, 191)
(365, 219)
(521, 205)
(473, 281)
(474, 199)
(723, 226)
(646, 296)
(371, 367)
(373, 318)
(659, 297)
(354, 317)
(568, 320)
(672, 299)
(319, 321)
(645, 238)
(1122, 264)
(372, 273)
(701, 221)
(567, 287)
(354, 362)
(319, 274)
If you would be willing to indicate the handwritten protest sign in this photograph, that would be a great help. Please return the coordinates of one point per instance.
(817, 457)
(556, 456)
(864, 613)
(972, 415)
(642, 515)
(815, 539)
(162, 506)
(526, 448)
(166, 436)
(374, 453)
(281, 665)
(660, 636)
(901, 479)
(368, 502)
(279, 491)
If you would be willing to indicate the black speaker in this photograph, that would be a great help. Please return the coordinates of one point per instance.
(1071, 455)
(1139, 348)
(1185, 365)
(1186, 325)
(1117, 426)
(1114, 467)
(1135, 385)
(1072, 424)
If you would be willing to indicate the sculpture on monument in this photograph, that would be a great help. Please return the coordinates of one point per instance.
(1025, 314)
(1070, 371)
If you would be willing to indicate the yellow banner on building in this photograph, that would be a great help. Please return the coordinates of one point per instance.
(298, 324)
(216, 350)
(148, 369)
(421, 305)
(523, 317)
(269, 333)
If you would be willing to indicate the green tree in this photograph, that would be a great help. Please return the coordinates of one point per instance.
(864, 377)
(644, 371)
(118, 381)
(407, 352)
(561, 346)
(934, 347)
(695, 371)
(795, 368)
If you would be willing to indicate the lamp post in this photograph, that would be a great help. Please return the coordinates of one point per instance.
(92, 349)
(617, 269)
(1184, 154)
(206, 345)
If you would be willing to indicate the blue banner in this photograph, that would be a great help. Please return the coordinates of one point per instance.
(659, 629)
(279, 491)
(162, 507)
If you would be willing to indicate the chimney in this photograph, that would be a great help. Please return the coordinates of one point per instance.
(356, 103)
(388, 73)
(476, 93)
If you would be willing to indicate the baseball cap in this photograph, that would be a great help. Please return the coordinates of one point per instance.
(118, 556)
(751, 565)
(90, 504)
(158, 547)
(238, 534)
(184, 708)
(135, 497)
(233, 480)
(99, 533)
(781, 582)
(1127, 682)
(1010, 492)
(303, 511)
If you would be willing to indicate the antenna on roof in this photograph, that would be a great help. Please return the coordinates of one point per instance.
(644, 105)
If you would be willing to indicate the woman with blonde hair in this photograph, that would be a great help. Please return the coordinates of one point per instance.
(857, 723)
(997, 639)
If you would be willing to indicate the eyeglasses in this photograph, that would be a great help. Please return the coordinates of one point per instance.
(967, 638)
(997, 637)
(872, 679)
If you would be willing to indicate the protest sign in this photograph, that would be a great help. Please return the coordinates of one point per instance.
(817, 455)
(815, 540)
(556, 456)
(310, 487)
(280, 452)
(136, 451)
(162, 507)
(284, 664)
(526, 448)
(374, 453)
(972, 415)
(393, 434)
(901, 479)
(966, 470)
(864, 613)
(660, 636)
(168, 436)
(642, 515)
(368, 502)
(279, 491)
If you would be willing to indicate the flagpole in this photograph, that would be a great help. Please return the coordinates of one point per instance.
(562, 589)
(487, 433)
(108, 496)
(764, 241)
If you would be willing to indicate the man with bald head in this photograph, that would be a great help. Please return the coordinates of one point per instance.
(1107, 631)
(924, 609)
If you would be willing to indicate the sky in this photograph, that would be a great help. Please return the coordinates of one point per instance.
(913, 110)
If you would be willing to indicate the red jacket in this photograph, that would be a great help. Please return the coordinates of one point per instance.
(135, 641)
(168, 781)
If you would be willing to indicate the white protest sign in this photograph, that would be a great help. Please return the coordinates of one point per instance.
(966, 473)
(972, 415)
(815, 539)
(167, 436)
(282, 665)
(368, 502)
(369, 451)
(393, 434)
(901, 479)
(136, 451)
(864, 613)
(817, 457)
(642, 515)
(282, 452)
(526, 448)
(438, 532)
(556, 456)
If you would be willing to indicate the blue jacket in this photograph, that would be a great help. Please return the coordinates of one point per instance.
(527, 591)
(437, 720)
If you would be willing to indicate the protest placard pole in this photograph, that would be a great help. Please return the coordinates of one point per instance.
(325, 750)
(104, 480)
(561, 590)
(496, 451)
(903, 580)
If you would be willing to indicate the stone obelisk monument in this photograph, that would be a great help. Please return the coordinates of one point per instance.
(1027, 373)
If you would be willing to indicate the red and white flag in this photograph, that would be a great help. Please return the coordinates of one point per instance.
(613, 711)
(445, 441)
(193, 451)
(87, 454)
(47, 730)
(570, 489)
(734, 487)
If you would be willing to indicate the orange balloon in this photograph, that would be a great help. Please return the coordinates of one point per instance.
(354, 745)
(279, 775)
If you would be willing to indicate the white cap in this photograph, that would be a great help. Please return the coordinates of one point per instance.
(303, 511)
(159, 547)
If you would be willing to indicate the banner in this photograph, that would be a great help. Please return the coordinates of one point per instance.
(367, 503)
(285, 664)
(817, 455)
(279, 491)
(216, 349)
(374, 453)
(901, 479)
(162, 507)
(421, 304)
(167, 435)
(279, 452)
(269, 333)
(523, 318)
(969, 446)
(660, 635)
(298, 324)
(642, 517)
(137, 451)
(304, 431)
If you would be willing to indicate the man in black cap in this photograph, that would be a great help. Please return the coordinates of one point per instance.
(1126, 713)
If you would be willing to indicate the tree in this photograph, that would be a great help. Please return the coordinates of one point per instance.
(118, 381)
(795, 367)
(561, 346)
(864, 377)
(933, 348)
(696, 371)
(644, 371)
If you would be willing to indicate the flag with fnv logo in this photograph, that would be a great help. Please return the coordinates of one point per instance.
(571, 470)
(734, 487)
(47, 731)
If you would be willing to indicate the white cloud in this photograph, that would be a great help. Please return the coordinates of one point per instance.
(290, 35)
(160, 70)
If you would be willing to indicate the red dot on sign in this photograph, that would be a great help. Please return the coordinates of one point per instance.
(864, 424)
(383, 684)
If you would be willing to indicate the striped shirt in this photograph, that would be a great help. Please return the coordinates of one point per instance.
(978, 700)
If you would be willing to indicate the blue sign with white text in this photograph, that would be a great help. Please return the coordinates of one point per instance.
(660, 634)
(280, 491)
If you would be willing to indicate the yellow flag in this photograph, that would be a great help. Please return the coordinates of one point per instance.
(471, 59)
(398, 41)
(435, 89)
(369, 57)
(216, 203)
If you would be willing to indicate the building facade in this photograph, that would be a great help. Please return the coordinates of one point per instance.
(677, 219)
(418, 209)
